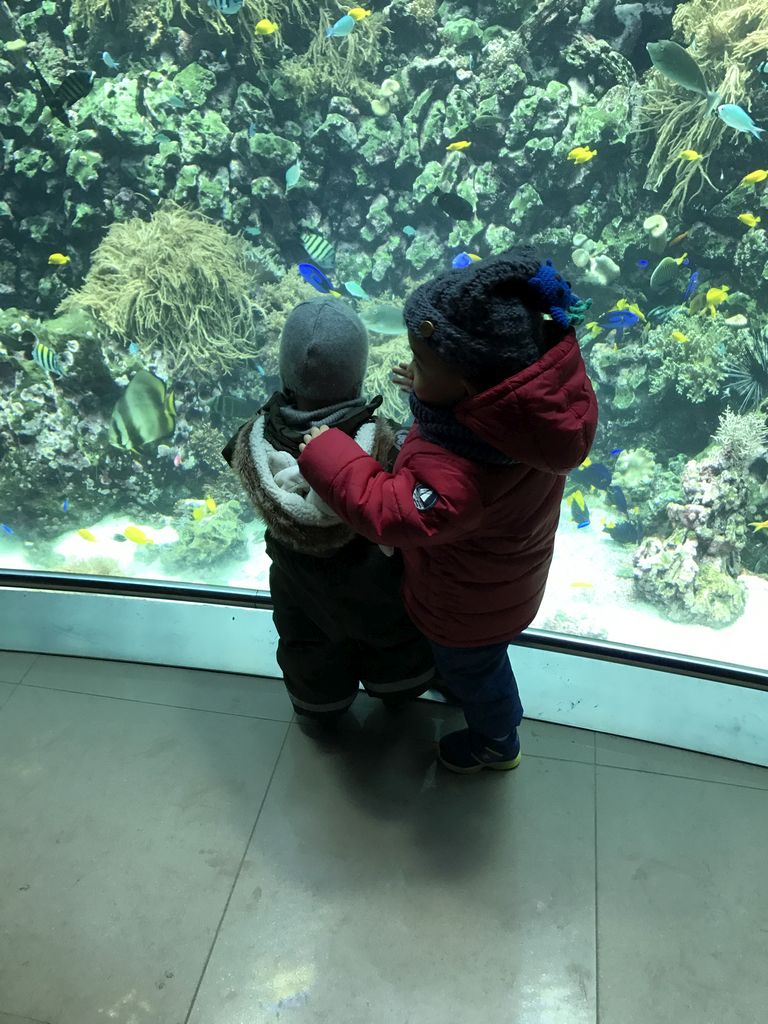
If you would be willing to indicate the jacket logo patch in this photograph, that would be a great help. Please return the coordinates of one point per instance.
(400, 437)
(424, 497)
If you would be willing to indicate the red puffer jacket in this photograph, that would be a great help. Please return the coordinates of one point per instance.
(476, 539)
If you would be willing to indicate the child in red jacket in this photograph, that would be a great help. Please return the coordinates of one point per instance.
(503, 410)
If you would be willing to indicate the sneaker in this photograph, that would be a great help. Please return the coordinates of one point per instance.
(468, 752)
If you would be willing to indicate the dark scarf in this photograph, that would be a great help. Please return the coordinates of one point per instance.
(438, 425)
(285, 425)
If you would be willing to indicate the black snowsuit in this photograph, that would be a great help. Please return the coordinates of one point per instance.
(336, 596)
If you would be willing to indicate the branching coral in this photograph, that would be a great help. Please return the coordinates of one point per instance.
(337, 66)
(152, 17)
(381, 359)
(178, 282)
(726, 38)
(742, 439)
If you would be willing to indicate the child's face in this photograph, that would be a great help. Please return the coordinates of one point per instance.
(433, 380)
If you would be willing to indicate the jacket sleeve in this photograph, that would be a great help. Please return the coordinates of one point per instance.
(381, 506)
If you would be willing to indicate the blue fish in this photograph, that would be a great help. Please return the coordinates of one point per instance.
(618, 498)
(226, 6)
(252, 129)
(618, 320)
(340, 28)
(625, 533)
(316, 278)
(133, 348)
(595, 474)
(690, 288)
(110, 61)
(65, 506)
(736, 117)
(615, 451)
(6, 529)
(642, 263)
(462, 260)
(409, 230)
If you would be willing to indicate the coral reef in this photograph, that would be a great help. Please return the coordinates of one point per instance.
(691, 574)
(169, 196)
(203, 543)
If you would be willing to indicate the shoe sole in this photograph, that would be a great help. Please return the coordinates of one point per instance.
(499, 766)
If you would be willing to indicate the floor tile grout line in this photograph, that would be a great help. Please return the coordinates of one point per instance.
(237, 876)
(597, 894)
(262, 718)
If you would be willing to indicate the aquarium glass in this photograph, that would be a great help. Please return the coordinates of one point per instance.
(167, 165)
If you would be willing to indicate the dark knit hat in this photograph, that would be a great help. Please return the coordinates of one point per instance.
(485, 320)
(323, 351)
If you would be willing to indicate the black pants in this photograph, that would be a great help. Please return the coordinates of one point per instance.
(341, 621)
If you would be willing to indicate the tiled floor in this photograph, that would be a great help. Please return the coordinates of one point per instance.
(173, 849)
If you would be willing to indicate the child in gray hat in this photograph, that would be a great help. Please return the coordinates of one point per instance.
(336, 596)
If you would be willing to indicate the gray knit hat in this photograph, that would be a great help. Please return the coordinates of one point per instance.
(323, 351)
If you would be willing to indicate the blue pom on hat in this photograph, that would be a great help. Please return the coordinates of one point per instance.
(556, 298)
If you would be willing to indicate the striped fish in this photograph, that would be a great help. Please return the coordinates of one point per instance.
(318, 249)
(144, 414)
(46, 358)
(72, 89)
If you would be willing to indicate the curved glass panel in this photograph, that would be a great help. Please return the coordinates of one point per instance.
(168, 165)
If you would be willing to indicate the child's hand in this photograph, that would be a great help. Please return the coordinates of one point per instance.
(313, 433)
(402, 375)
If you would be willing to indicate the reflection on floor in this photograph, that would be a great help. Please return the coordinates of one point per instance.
(174, 848)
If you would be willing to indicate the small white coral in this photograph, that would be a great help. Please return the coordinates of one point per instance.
(423, 10)
(742, 438)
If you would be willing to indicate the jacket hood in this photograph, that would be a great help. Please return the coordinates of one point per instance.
(545, 416)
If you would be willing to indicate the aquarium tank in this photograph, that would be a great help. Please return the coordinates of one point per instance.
(167, 165)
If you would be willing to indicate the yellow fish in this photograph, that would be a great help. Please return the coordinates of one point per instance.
(86, 535)
(594, 327)
(198, 513)
(753, 177)
(136, 535)
(265, 27)
(459, 145)
(358, 13)
(210, 504)
(631, 306)
(689, 154)
(749, 219)
(581, 583)
(679, 336)
(585, 463)
(58, 259)
(760, 526)
(578, 497)
(716, 296)
(581, 154)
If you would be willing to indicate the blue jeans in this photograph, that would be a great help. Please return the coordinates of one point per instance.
(483, 680)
